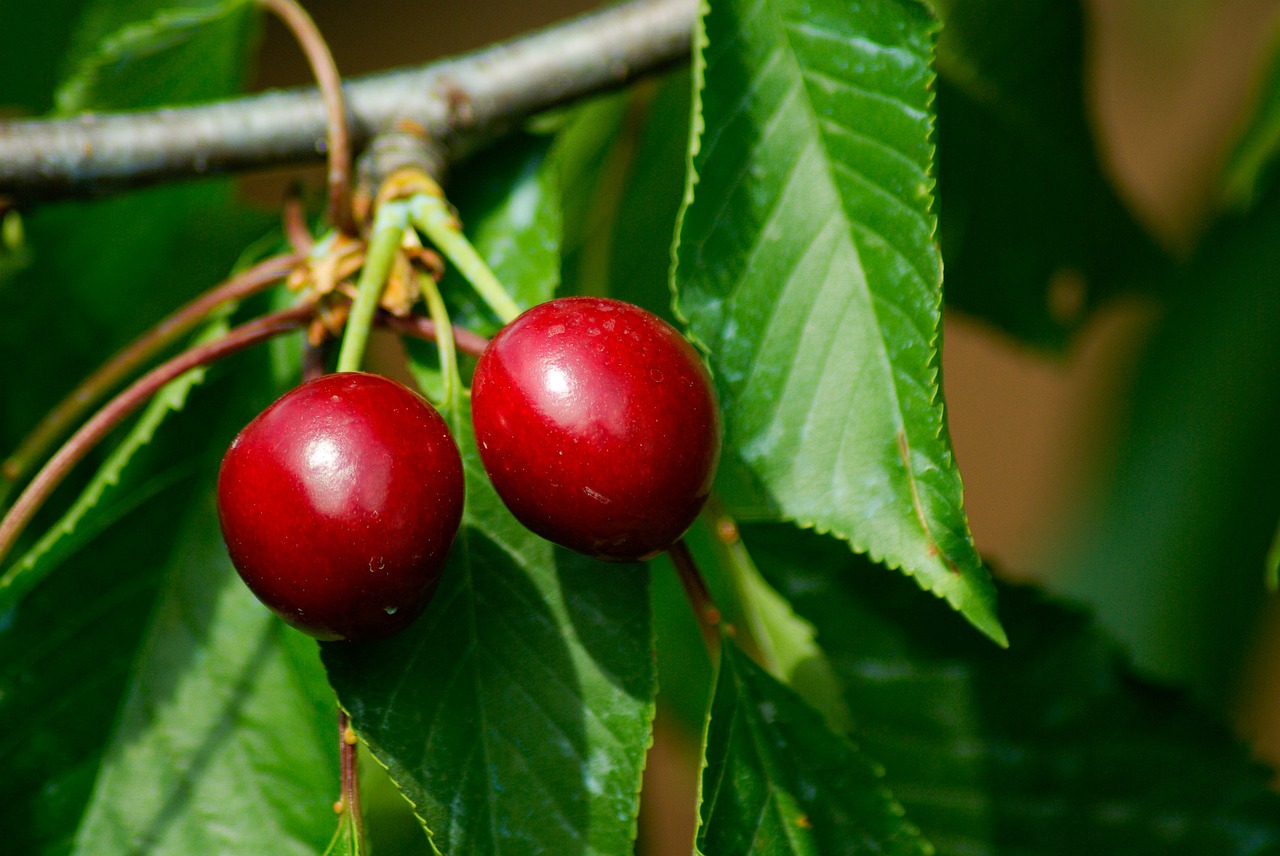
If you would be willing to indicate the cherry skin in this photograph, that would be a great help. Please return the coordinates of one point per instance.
(598, 426)
(339, 503)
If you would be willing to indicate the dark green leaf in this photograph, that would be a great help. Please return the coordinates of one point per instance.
(73, 530)
(625, 169)
(1173, 550)
(65, 661)
(1051, 747)
(1033, 233)
(806, 265)
(227, 738)
(515, 713)
(509, 203)
(587, 151)
(32, 44)
(91, 638)
(778, 782)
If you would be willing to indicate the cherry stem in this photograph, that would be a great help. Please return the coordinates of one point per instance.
(432, 215)
(753, 635)
(325, 70)
(472, 344)
(695, 588)
(444, 341)
(294, 222)
(130, 399)
(349, 767)
(58, 421)
(388, 231)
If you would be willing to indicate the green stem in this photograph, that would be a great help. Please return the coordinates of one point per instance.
(444, 340)
(348, 753)
(388, 230)
(431, 214)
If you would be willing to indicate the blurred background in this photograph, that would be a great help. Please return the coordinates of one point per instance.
(1169, 84)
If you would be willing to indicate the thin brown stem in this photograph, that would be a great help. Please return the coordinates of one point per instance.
(315, 359)
(304, 29)
(421, 327)
(126, 402)
(349, 769)
(93, 389)
(695, 588)
(293, 219)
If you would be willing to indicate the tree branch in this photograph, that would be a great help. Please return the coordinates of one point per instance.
(457, 101)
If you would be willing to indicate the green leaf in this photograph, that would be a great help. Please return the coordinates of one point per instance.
(114, 279)
(1184, 508)
(31, 52)
(778, 782)
(65, 660)
(1033, 233)
(782, 642)
(345, 840)
(138, 53)
(68, 651)
(623, 160)
(509, 203)
(1250, 169)
(587, 145)
(73, 531)
(1051, 747)
(226, 741)
(515, 713)
(806, 265)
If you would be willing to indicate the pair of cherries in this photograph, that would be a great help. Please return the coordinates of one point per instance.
(595, 420)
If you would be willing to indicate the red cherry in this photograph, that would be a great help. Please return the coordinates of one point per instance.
(598, 425)
(339, 503)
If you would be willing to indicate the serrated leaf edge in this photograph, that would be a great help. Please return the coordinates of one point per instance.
(979, 595)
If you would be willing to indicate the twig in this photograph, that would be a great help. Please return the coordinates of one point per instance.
(110, 374)
(461, 101)
(93, 431)
(695, 587)
(423, 328)
(338, 139)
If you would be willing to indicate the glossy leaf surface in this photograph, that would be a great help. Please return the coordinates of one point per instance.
(806, 264)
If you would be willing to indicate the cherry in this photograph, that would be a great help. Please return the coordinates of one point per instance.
(598, 426)
(339, 503)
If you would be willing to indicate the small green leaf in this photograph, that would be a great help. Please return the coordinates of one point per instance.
(346, 838)
(1052, 747)
(515, 713)
(122, 58)
(806, 265)
(777, 781)
(1033, 232)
